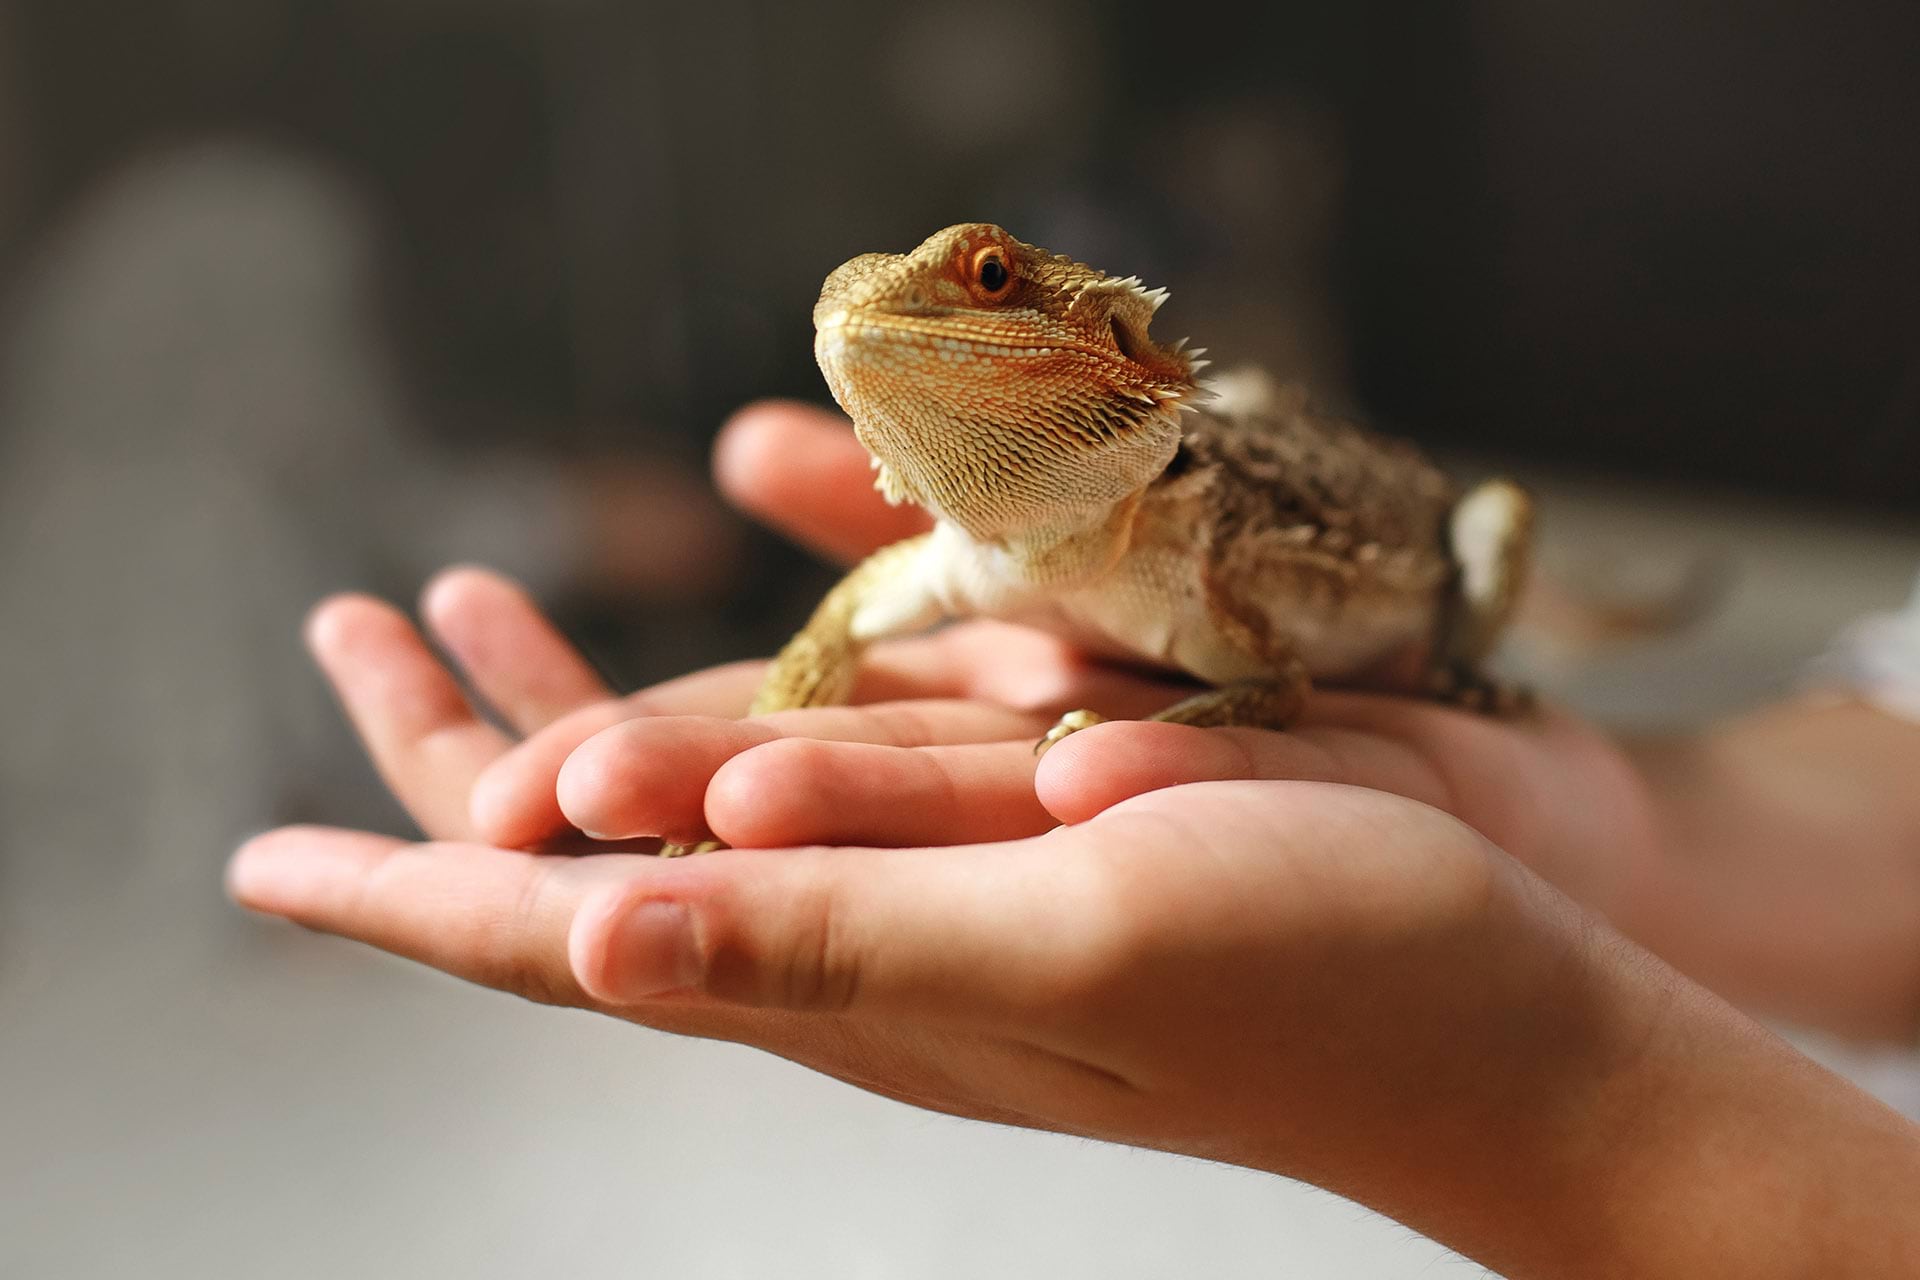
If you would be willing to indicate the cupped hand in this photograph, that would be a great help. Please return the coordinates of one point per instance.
(462, 772)
(938, 751)
(1331, 982)
(938, 747)
(1324, 982)
(1321, 981)
(940, 708)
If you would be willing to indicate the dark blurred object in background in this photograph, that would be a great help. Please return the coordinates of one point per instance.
(420, 281)
(1669, 239)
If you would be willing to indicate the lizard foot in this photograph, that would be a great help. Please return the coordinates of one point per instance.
(1070, 723)
(1470, 690)
(1251, 704)
(671, 850)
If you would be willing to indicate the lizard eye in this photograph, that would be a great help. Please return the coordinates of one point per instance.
(990, 270)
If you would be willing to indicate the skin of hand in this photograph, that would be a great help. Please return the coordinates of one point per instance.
(1326, 982)
(955, 772)
(1696, 846)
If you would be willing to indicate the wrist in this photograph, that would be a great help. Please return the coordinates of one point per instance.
(1641, 1126)
(1728, 1152)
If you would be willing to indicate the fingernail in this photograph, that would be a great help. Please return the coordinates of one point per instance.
(652, 951)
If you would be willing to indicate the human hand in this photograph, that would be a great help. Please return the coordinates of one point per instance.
(1647, 845)
(1324, 982)
(1549, 788)
(1772, 856)
(1778, 920)
(434, 746)
(784, 939)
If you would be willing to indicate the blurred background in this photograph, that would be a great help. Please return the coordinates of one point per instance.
(298, 296)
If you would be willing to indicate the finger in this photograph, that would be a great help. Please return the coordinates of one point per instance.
(1438, 724)
(800, 470)
(514, 657)
(1099, 767)
(512, 802)
(423, 735)
(486, 915)
(940, 935)
(798, 791)
(649, 777)
(1034, 939)
(502, 920)
(490, 916)
(1011, 665)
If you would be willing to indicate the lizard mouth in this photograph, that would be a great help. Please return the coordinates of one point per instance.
(954, 335)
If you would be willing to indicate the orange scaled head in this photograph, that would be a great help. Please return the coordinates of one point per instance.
(1003, 387)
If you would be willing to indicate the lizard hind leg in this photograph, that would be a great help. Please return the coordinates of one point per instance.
(1491, 537)
(1271, 703)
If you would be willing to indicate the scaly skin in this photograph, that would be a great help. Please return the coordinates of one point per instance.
(1082, 481)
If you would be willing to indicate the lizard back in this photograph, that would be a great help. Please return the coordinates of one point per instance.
(1308, 535)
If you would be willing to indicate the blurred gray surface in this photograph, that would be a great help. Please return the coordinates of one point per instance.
(1775, 583)
(250, 1101)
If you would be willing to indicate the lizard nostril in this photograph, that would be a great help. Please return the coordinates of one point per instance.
(915, 297)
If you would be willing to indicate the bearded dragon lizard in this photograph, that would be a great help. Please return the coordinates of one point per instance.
(1082, 481)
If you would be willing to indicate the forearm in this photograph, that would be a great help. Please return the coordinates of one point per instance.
(1727, 1153)
(1648, 1128)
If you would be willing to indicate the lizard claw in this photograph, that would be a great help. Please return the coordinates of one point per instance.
(1471, 690)
(1070, 723)
(672, 850)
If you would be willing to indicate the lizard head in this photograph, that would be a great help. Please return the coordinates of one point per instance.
(1002, 387)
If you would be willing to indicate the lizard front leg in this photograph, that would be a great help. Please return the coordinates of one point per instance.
(886, 594)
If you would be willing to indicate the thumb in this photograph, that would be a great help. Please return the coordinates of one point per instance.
(963, 934)
(1095, 769)
(800, 470)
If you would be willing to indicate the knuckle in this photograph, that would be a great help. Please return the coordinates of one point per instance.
(510, 957)
(900, 724)
(519, 975)
(820, 968)
(806, 962)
